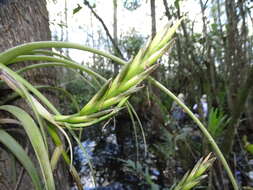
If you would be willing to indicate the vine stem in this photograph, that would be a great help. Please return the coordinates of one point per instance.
(202, 128)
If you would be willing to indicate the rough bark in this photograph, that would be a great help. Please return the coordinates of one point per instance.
(24, 21)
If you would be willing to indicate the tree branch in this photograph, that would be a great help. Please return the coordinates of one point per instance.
(116, 48)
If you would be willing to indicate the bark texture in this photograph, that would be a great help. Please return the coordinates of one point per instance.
(23, 21)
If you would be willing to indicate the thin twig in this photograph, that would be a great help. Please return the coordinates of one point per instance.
(105, 28)
(22, 172)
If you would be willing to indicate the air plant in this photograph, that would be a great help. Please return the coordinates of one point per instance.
(191, 179)
(109, 100)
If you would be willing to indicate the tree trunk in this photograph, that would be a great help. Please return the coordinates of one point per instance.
(157, 121)
(23, 21)
(115, 31)
(153, 19)
(239, 71)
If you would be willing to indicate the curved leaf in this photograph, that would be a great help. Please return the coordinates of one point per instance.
(37, 142)
(22, 156)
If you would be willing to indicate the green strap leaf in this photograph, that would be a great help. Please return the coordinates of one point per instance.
(58, 142)
(37, 142)
(22, 156)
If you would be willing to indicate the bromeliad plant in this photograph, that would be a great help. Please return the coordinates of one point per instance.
(217, 122)
(118, 90)
(110, 99)
(194, 177)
